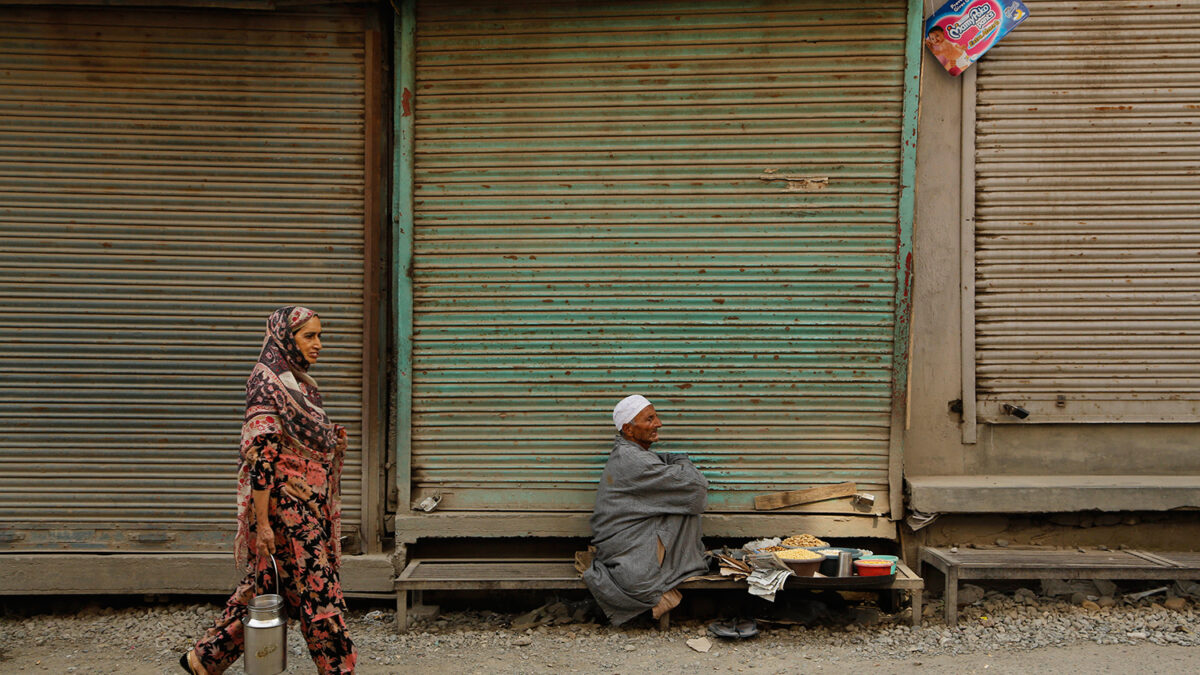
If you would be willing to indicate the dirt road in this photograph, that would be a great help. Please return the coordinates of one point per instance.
(999, 634)
(670, 655)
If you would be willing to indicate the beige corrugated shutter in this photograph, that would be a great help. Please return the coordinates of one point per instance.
(167, 178)
(696, 201)
(1088, 215)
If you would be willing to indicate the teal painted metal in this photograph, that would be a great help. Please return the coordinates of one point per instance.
(913, 52)
(702, 207)
(404, 102)
(167, 179)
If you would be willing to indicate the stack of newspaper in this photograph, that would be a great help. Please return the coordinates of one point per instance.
(769, 575)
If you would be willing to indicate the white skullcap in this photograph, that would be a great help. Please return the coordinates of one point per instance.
(628, 408)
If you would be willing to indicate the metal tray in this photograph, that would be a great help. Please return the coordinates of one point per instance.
(840, 583)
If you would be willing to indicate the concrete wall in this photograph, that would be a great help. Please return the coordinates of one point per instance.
(933, 442)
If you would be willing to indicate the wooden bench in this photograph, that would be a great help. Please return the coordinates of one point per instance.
(507, 575)
(1045, 563)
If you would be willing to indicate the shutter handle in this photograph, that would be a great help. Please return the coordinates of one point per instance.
(151, 537)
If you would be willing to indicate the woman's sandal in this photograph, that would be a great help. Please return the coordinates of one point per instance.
(185, 663)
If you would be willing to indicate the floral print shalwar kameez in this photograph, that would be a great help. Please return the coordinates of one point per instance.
(286, 437)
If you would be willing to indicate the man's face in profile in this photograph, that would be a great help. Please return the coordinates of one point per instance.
(643, 430)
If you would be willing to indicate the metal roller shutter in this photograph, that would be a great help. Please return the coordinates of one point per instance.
(692, 201)
(166, 180)
(1087, 246)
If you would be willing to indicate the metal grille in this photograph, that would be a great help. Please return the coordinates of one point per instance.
(1087, 246)
(692, 201)
(166, 180)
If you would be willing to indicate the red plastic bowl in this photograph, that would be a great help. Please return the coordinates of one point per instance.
(872, 568)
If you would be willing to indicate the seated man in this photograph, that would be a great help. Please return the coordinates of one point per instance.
(646, 524)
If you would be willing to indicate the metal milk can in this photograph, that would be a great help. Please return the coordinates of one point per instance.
(266, 632)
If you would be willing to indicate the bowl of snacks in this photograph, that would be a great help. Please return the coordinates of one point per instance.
(771, 549)
(763, 555)
(804, 541)
(890, 558)
(868, 567)
(804, 563)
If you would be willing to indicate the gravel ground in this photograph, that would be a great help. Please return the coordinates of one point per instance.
(999, 632)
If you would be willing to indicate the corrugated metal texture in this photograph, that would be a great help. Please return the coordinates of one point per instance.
(1088, 251)
(166, 180)
(693, 201)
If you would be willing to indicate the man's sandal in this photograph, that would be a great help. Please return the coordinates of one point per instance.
(733, 629)
(723, 629)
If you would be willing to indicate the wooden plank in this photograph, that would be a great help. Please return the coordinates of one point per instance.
(950, 595)
(410, 527)
(1048, 558)
(168, 573)
(408, 572)
(1158, 560)
(1188, 559)
(1068, 573)
(1058, 564)
(906, 579)
(516, 574)
(779, 500)
(491, 585)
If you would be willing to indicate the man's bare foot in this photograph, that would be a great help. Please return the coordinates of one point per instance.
(668, 601)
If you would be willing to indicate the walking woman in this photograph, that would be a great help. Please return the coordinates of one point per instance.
(289, 503)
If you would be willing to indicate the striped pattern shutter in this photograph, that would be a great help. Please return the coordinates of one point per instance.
(692, 201)
(1087, 238)
(166, 180)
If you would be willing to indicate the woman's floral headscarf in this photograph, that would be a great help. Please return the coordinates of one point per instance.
(273, 390)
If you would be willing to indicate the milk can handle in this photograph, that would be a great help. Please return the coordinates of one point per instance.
(276, 574)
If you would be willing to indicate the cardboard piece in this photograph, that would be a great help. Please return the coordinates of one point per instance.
(961, 31)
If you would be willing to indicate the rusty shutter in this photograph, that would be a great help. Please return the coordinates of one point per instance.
(692, 201)
(167, 178)
(1087, 248)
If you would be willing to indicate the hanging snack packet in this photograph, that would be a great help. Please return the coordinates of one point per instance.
(962, 30)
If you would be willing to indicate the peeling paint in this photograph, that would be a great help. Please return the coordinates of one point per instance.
(406, 103)
(796, 183)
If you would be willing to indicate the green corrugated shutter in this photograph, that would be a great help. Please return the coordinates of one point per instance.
(167, 178)
(692, 201)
